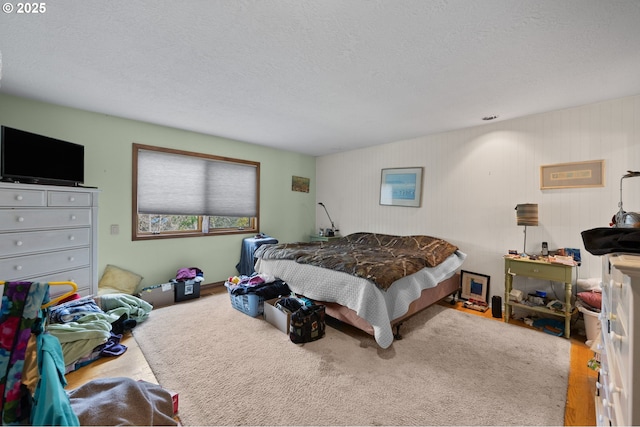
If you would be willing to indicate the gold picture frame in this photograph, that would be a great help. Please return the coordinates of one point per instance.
(300, 183)
(572, 175)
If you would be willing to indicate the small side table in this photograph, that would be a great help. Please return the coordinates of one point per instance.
(538, 270)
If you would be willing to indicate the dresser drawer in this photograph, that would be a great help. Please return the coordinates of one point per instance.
(31, 219)
(69, 198)
(30, 266)
(81, 277)
(557, 273)
(25, 242)
(14, 197)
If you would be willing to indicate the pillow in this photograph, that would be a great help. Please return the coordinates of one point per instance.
(117, 280)
(594, 299)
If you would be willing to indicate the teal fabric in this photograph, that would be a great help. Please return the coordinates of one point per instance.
(51, 404)
(118, 304)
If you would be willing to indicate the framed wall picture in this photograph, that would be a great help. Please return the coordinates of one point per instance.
(300, 183)
(474, 286)
(401, 187)
(572, 175)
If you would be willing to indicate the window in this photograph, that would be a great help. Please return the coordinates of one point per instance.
(184, 194)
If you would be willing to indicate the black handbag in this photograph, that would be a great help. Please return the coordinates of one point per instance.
(307, 324)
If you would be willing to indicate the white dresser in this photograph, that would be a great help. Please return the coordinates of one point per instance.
(49, 233)
(618, 386)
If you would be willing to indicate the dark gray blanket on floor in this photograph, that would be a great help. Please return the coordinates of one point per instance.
(122, 401)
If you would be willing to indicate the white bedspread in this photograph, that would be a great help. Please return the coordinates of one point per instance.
(377, 307)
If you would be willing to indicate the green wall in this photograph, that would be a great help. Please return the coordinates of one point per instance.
(285, 214)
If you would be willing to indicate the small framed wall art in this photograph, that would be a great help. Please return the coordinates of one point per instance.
(300, 183)
(572, 175)
(474, 286)
(401, 187)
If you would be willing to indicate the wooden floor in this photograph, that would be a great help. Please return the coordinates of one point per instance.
(580, 407)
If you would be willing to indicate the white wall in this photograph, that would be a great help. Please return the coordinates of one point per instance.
(473, 179)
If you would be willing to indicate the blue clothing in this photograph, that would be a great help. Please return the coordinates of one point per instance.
(51, 405)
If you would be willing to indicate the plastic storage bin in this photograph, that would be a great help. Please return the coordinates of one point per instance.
(250, 304)
(591, 324)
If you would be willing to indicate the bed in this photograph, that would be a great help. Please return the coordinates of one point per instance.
(371, 281)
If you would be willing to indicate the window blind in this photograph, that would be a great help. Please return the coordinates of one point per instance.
(176, 184)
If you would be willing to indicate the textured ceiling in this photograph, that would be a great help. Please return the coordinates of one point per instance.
(322, 76)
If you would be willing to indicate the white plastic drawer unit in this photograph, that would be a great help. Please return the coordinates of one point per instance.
(33, 219)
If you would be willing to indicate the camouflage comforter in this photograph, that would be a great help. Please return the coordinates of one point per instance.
(380, 258)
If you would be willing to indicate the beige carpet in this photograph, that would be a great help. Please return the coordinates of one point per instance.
(451, 368)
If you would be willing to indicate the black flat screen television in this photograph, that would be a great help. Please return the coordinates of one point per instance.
(37, 159)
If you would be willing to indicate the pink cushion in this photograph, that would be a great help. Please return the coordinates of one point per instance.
(593, 298)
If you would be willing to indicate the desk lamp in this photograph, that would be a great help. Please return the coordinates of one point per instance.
(527, 214)
(331, 232)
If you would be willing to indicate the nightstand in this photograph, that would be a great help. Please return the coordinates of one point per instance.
(539, 270)
(318, 238)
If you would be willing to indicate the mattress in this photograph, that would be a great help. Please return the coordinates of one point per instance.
(376, 306)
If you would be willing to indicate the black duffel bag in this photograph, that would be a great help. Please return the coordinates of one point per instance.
(307, 324)
(602, 241)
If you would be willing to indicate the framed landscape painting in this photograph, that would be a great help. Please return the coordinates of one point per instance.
(401, 187)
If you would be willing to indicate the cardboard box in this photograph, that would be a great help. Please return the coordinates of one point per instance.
(174, 399)
(158, 295)
(187, 290)
(281, 319)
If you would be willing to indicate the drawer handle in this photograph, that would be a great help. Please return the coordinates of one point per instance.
(615, 337)
(18, 267)
(72, 238)
(19, 197)
(535, 270)
(614, 389)
(73, 217)
(72, 199)
(598, 385)
(18, 242)
(20, 219)
(71, 258)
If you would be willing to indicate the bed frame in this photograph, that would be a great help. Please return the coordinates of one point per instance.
(428, 297)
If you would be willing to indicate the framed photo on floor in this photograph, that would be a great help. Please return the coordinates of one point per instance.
(474, 286)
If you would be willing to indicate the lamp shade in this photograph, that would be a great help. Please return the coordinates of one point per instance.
(527, 214)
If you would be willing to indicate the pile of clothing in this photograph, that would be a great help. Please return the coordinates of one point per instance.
(89, 328)
(263, 285)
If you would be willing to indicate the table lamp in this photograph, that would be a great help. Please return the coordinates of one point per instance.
(527, 214)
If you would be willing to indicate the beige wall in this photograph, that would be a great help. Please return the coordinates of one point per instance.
(286, 215)
(473, 179)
